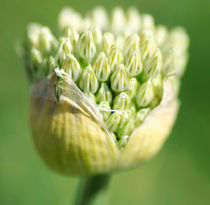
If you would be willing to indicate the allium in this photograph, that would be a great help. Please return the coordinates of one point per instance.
(104, 89)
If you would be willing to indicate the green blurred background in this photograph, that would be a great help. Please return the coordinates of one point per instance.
(179, 174)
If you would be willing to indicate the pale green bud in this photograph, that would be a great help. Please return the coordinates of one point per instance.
(124, 119)
(158, 85)
(146, 35)
(117, 120)
(141, 115)
(169, 63)
(120, 79)
(145, 94)
(118, 20)
(101, 67)
(147, 22)
(120, 41)
(161, 34)
(33, 32)
(104, 94)
(86, 46)
(105, 110)
(115, 57)
(153, 65)
(132, 89)
(71, 66)
(100, 17)
(47, 40)
(52, 64)
(97, 34)
(88, 82)
(91, 96)
(121, 101)
(134, 64)
(64, 49)
(131, 44)
(71, 33)
(69, 18)
(107, 42)
(113, 121)
(148, 48)
(127, 128)
(134, 20)
(36, 56)
(123, 141)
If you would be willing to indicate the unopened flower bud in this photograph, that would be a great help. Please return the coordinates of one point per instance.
(115, 57)
(64, 49)
(161, 34)
(97, 34)
(86, 46)
(134, 65)
(101, 67)
(147, 22)
(132, 89)
(121, 101)
(153, 66)
(105, 110)
(148, 48)
(120, 79)
(145, 94)
(36, 56)
(104, 94)
(88, 82)
(141, 115)
(131, 44)
(107, 42)
(118, 20)
(71, 66)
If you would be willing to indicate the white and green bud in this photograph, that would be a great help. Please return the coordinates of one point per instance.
(100, 17)
(134, 64)
(134, 20)
(148, 48)
(115, 57)
(132, 88)
(107, 42)
(72, 34)
(64, 49)
(169, 63)
(47, 40)
(145, 94)
(86, 46)
(36, 56)
(105, 110)
(114, 121)
(71, 66)
(52, 64)
(118, 20)
(141, 115)
(161, 34)
(127, 128)
(104, 94)
(101, 67)
(88, 82)
(97, 34)
(153, 66)
(121, 101)
(147, 22)
(69, 18)
(132, 43)
(91, 96)
(120, 79)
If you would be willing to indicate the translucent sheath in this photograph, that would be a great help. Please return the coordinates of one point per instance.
(72, 138)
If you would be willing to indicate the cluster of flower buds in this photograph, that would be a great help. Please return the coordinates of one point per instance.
(119, 63)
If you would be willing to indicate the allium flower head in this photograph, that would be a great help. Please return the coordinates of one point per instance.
(104, 89)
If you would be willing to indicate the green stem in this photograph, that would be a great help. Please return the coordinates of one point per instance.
(93, 191)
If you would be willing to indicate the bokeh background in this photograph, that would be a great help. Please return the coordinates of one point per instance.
(179, 174)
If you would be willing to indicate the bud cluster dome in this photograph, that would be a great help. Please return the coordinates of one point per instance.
(105, 87)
